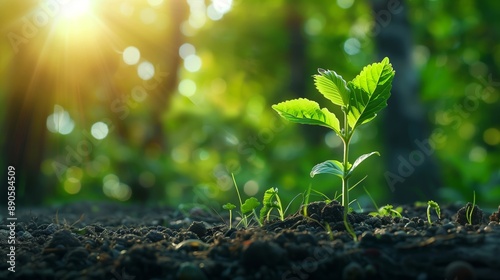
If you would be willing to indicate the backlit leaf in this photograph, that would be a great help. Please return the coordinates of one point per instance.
(333, 87)
(360, 159)
(305, 111)
(250, 204)
(369, 92)
(330, 166)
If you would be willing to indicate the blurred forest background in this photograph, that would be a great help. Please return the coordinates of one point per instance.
(159, 101)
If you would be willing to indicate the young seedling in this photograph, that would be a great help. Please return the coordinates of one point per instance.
(435, 206)
(230, 207)
(271, 201)
(248, 207)
(470, 210)
(388, 210)
(360, 100)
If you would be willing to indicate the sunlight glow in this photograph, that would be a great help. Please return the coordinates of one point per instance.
(75, 9)
(154, 3)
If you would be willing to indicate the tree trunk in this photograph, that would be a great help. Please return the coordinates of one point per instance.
(411, 172)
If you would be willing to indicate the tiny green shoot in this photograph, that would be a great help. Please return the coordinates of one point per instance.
(433, 205)
(360, 100)
(470, 210)
(230, 207)
(271, 201)
(248, 207)
(388, 210)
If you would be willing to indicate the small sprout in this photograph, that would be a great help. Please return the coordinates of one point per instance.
(247, 207)
(230, 207)
(388, 210)
(470, 210)
(270, 201)
(435, 206)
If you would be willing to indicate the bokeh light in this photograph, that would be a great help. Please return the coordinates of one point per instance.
(146, 70)
(251, 188)
(491, 136)
(131, 55)
(99, 130)
(60, 121)
(192, 63)
(352, 46)
(187, 87)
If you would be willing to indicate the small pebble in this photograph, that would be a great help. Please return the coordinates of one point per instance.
(440, 231)
(410, 225)
(198, 228)
(400, 232)
(189, 271)
(448, 226)
(154, 236)
(459, 270)
(353, 271)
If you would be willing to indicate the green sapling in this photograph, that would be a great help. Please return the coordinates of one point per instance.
(360, 100)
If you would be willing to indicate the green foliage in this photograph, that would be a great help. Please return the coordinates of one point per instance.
(388, 210)
(249, 205)
(435, 206)
(360, 100)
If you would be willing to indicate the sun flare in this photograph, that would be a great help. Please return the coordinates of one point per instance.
(76, 9)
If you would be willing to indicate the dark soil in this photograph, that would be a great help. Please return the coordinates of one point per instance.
(136, 242)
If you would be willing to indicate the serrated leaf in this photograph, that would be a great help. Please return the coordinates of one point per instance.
(333, 87)
(360, 159)
(369, 92)
(305, 111)
(250, 204)
(334, 167)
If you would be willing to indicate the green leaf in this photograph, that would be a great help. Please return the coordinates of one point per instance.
(369, 92)
(330, 166)
(228, 206)
(250, 204)
(305, 111)
(360, 159)
(333, 87)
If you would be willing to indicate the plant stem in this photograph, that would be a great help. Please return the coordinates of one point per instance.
(345, 180)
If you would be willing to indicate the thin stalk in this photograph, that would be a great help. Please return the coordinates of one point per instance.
(345, 180)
